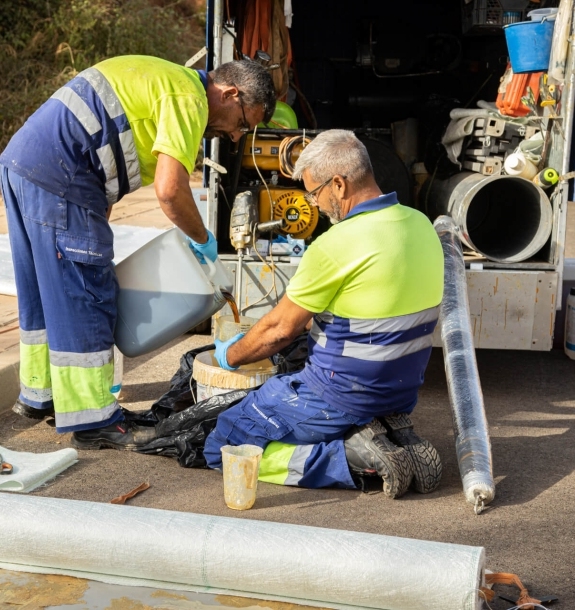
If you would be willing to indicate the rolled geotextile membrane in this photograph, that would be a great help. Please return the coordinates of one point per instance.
(472, 443)
(504, 218)
(276, 561)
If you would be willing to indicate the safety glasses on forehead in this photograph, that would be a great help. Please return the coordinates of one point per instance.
(311, 196)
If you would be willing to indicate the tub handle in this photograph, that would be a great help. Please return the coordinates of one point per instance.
(211, 268)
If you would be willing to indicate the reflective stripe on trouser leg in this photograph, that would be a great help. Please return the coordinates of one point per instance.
(65, 283)
(79, 380)
(35, 382)
(319, 465)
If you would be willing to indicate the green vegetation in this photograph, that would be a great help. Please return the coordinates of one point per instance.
(44, 43)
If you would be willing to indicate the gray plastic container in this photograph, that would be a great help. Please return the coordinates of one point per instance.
(164, 292)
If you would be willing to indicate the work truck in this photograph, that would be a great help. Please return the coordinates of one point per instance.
(445, 94)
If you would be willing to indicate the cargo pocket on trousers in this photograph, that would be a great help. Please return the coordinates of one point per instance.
(87, 272)
(264, 418)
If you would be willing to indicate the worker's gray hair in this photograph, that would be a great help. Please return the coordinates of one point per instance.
(253, 81)
(332, 152)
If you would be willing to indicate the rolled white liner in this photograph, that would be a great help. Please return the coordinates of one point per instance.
(203, 553)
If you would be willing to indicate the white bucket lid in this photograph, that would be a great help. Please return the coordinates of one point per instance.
(539, 14)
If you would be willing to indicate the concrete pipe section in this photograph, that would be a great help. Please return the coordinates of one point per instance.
(504, 218)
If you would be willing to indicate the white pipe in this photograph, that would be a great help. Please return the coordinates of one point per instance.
(504, 218)
(309, 565)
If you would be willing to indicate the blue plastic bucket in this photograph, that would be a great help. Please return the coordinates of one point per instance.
(529, 45)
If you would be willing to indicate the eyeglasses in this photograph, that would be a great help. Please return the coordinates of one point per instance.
(311, 196)
(245, 127)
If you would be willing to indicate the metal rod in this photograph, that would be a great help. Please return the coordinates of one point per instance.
(239, 272)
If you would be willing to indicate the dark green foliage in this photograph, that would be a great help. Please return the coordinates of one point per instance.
(44, 43)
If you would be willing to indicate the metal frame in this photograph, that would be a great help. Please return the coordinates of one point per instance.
(213, 175)
(567, 127)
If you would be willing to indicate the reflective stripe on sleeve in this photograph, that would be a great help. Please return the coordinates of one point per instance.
(78, 107)
(105, 92)
(131, 160)
(108, 161)
(114, 108)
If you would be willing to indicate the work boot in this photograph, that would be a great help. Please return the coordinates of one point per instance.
(124, 435)
(30, 412)
(370, 453)
(427, 466)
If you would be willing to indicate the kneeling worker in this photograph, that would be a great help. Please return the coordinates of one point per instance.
(372, 284)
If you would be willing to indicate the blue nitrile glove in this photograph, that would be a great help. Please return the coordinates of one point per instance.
(209, 249)
(222, 351)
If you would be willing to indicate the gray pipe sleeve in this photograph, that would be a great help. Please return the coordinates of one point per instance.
(472, 442)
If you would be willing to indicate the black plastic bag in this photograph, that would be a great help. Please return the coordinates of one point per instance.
(182, 435)
(182, 425)
(292, 358)
(180, 396)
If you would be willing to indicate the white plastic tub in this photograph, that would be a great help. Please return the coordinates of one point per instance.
(164, 292)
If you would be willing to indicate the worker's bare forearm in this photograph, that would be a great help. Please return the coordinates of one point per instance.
(182, 211)
(173, 191)
(254, 347)
(273, 332)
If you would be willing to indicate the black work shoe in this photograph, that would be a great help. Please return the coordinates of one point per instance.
(370, 453)
(30, 412)
(123, 435)
(427, 466)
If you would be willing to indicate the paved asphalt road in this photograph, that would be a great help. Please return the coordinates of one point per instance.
(528, 530)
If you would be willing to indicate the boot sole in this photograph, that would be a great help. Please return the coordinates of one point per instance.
(400, 464)
(427, 466)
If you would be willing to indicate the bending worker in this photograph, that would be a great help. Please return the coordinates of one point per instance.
(372, 285)
(127, 122)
